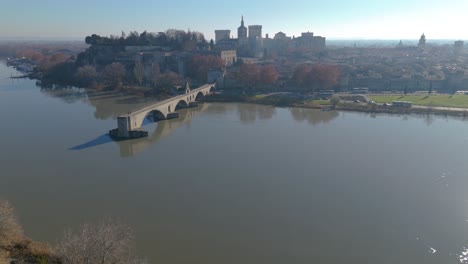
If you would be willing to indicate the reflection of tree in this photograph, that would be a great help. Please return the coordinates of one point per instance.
(112, 104)
(429, 119)
(67, 94)
(218, 108)
(266, 112)
(248, 113)
(313, 116)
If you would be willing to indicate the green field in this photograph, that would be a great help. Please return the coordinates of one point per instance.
(427, 100)
(318, 102)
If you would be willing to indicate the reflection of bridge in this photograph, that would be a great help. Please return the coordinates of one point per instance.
(163, 129)
(129, 125)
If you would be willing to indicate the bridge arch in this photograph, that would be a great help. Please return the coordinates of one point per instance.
(156, 115)
(200, 95)
(181, 104)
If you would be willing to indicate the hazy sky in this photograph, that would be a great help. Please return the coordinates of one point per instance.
(371, 19)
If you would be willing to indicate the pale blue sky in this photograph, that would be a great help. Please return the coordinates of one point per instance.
(371, 19)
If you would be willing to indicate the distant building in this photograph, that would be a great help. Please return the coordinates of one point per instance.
(229, 56)
(242, 30)
(308, 41)
(222, 34)
(281, 36)
(255, 31)
(458, 47)
(422, 41)
(227, 44)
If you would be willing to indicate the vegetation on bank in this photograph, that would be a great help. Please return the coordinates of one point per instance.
(439, 100)
(107, 242)
(334, 103)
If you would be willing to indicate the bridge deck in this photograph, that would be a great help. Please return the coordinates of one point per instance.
(150, 107)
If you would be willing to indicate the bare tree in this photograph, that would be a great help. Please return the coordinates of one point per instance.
(139, 72)
(10, 229)
(155, 73)
(86, 75)
(114, 74)
(107, 242)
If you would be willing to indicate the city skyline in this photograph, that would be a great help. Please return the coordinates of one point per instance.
(334, 19)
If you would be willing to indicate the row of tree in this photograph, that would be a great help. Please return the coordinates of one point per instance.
(173, 38)
(116, 75)
(317, 76)
(251, 74)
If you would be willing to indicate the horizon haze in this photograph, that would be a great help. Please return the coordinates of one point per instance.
(335, 19)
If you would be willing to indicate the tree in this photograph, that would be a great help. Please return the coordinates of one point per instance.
(268, 74)
(104, 243)
(315, 77)
(248, 74)
(139, 72)
(335, 100)
(155, 73)
(199, 65)
(169, 79)
(86, 75)
(114, 74)
(10, 229)
(211, 44)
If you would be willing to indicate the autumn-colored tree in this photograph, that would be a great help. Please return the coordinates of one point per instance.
(57, 58)
(52, 60)
(199, 65)
(114, 74)
(268, 74)
(248, 74)
(251, 74)
(30, 54)
(139, 72)
(315, 77)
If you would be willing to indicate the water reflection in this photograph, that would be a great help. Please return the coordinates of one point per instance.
(67, 94)
(165, 128)
(108, 104)
(249, 113)
(313, 117)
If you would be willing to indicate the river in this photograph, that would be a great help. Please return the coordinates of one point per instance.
(238, 183)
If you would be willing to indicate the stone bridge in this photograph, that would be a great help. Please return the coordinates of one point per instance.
(129, 125)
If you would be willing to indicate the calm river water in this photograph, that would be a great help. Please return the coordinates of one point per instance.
(238, 183)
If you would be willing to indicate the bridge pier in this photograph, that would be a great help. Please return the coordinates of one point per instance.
(172, 115)
(124, 130)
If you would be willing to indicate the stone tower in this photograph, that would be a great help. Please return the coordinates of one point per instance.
(242, 30)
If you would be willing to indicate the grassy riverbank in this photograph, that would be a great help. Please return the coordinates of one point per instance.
(439, 100)
(290, 100)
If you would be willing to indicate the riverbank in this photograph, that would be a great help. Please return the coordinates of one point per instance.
(293, 100)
